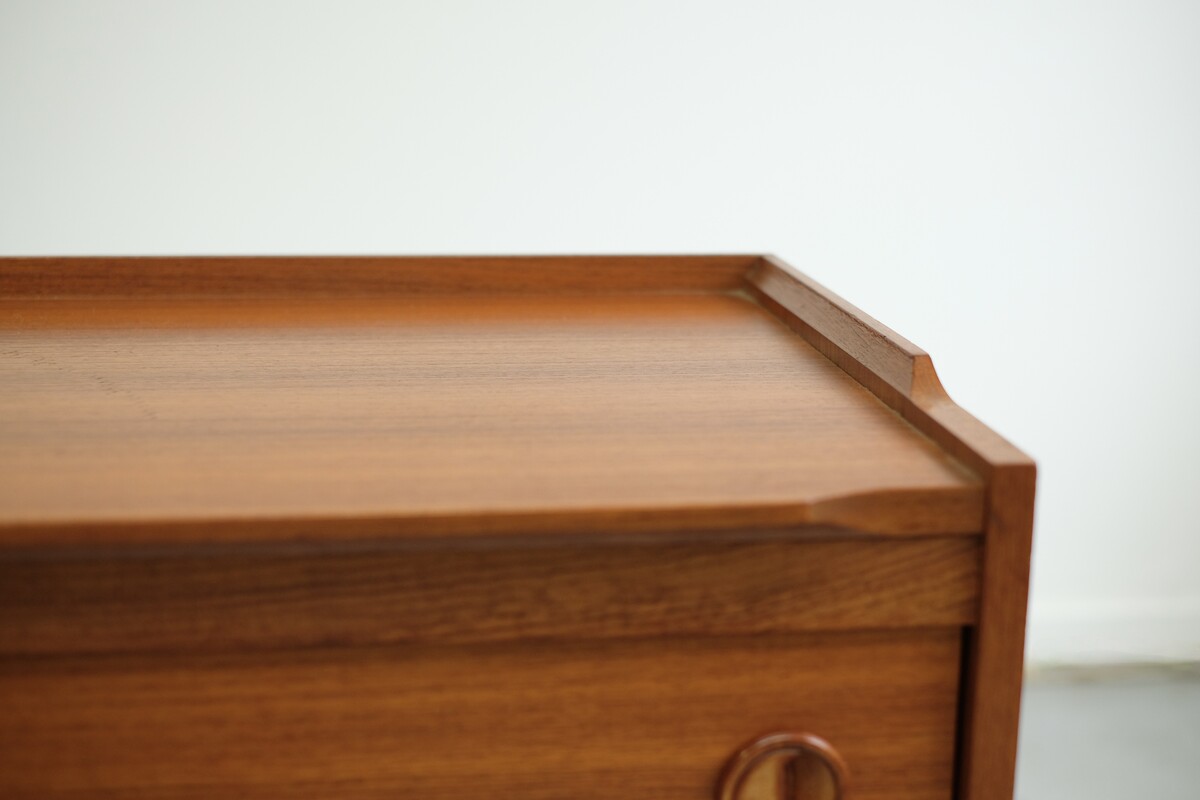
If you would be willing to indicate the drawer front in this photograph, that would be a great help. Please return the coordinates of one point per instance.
(265, 600)
(654, 718)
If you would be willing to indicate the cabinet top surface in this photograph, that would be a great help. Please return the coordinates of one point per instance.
(144, 414)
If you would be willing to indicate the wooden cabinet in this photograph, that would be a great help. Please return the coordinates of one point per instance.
(588, 527)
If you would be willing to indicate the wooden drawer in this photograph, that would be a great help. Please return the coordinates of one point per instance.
(550, 719)
(537, 669)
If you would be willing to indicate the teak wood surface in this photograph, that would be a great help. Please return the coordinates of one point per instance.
(152, 418)
(265, 600)
(649, 718)
(624, 512)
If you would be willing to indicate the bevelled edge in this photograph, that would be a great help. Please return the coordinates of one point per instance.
(875, 513)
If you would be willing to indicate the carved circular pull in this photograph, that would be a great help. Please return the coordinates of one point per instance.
(784, 766)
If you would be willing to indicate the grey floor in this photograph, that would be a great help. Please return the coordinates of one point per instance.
(1110, 734)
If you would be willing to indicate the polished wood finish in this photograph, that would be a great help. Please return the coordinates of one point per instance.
(232, 601)
(366, 276)
(537, 720)
(902, 375)
(177, 420)
(526, 527)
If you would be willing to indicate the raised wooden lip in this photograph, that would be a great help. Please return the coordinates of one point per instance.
(350, 276)
(885, 363)
(866, 513)
(893, 368)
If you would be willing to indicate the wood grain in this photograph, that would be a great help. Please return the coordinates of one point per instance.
(995, 662)
(255, 601)
(203, 461)
(365, 276)
(153, 419)
(902, 375)
(890, 366)
(539, 720)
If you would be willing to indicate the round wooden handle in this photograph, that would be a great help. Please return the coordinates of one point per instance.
(784, 766)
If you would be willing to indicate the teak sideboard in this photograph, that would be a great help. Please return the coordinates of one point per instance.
(569, 528)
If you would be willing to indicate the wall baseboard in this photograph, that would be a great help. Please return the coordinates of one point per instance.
(1113, 632)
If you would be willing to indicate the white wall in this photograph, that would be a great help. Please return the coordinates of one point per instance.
(1017, 189)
